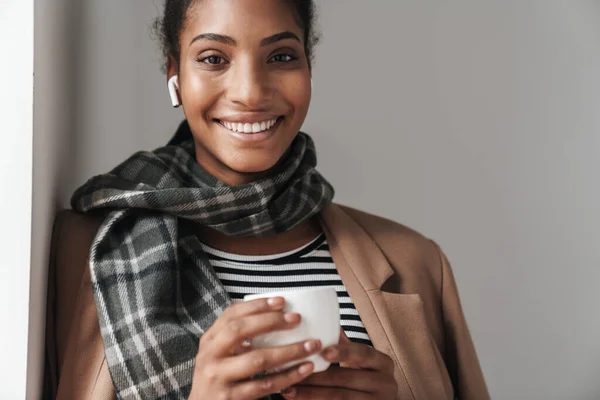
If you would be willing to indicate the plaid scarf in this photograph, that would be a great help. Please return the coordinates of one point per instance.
(154, 289)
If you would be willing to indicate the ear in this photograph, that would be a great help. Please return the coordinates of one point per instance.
(172, 67)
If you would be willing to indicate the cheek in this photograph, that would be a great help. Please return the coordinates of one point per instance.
(298, 93)
(197, 95)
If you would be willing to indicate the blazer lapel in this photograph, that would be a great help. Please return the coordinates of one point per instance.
(395, 322)
(352, 249)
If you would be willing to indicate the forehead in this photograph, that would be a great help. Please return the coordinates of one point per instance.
(246, 21)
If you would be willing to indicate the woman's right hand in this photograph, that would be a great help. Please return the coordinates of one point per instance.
(224, 367)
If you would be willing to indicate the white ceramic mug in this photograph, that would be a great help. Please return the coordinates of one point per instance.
(320, 312)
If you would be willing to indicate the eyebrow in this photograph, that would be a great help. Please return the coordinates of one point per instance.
(231, 41)
(277, 37)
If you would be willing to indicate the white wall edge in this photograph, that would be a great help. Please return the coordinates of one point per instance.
(16, 125)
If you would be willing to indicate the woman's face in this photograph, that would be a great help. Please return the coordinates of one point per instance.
(244, 84)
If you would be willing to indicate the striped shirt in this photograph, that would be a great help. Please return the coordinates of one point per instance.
(308, 266)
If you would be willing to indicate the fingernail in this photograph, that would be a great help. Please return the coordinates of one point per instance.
(331, 353)
(275, 301)
(289, 392)
(306, 368)
(291, 318)
(311, 345)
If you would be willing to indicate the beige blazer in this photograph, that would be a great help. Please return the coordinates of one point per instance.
(400, 282)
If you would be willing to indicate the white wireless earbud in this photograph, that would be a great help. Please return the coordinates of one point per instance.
(173, 89)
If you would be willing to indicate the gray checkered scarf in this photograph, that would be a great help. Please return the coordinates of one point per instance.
(154, 288)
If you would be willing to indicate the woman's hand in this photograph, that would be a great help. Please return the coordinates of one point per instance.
(364, 373)
(225, 366)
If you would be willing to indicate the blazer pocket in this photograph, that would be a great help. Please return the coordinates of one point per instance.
(417, 356)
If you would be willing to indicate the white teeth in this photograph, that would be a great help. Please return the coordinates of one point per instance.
(248, 127)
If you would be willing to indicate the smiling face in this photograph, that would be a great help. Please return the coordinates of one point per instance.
(244, 82)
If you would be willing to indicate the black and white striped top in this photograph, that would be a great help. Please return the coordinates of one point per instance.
(309, 266)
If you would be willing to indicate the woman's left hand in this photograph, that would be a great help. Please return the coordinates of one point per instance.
(364, 373)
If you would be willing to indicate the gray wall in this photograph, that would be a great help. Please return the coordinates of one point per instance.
(55, 47)
(477, 123)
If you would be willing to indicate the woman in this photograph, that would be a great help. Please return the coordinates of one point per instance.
(234, 205)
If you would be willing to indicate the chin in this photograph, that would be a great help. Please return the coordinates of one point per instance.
(252, 165)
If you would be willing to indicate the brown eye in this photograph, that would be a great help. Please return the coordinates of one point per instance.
(283, 58)
(213, 60)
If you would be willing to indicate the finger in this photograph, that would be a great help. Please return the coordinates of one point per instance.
(259, 360)
(344, 378)
(257, 306)
(242, 348)
(323, 393)
(359, 356)
(236, 330)
(241, 309)
(273, 383)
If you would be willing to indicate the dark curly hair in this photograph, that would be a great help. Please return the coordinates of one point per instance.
(168, 27)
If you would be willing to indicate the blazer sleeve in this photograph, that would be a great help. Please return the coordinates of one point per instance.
(460, 356)
(76, 367)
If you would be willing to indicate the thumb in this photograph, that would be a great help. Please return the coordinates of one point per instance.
(343, 337)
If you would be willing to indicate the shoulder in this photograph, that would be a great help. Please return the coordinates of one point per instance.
(72, 237)
(71, 225)
(379, 225)
(414, 257)
(389, 233)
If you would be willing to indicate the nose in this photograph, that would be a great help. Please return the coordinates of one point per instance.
(248, 85)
